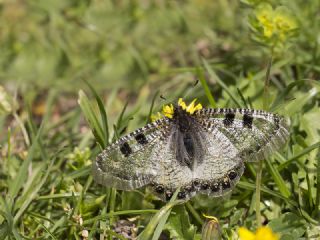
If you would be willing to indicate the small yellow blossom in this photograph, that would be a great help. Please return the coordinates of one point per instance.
(191, 108)
(275, 26)
(262, 233)
(155, 117)
(168, 110)
(182, 104)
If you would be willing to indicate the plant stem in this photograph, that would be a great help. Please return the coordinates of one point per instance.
(318, 185)
(112, 206)
(260, 164)
(23, 129)
(194, 213)
(266, 84)
(258, 193)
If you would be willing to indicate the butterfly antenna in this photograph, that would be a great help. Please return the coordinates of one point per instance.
(191, 88)
(162, 97)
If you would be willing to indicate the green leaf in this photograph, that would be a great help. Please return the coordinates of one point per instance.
(297, 156)
(32, 190)
(151, 107)
(103, 114)
(206, 88)
(157, 222)
(91, 117)
(179, 225)
(221, 83)
(289, 224)
(278, 179)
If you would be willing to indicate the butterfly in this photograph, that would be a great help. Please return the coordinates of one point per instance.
(195, 149)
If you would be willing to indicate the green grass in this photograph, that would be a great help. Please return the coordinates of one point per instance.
(83, 73)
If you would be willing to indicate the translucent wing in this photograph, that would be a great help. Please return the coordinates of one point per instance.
(220, 168)
(214, 168)
(230, 137)
(128, 163)
(254, 133)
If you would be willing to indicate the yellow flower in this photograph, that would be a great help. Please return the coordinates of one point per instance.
(275, 23)
(262, 233)
(168, 111)
(191, 108)
(155, 117)
(264, 16)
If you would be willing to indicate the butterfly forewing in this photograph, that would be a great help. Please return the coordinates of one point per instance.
(129, 162)
(254, 133)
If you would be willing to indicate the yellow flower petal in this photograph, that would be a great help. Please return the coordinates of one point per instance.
(182, 104)
(265, 233)
(245, 234)
(168, 111)
(191, 108)
(155, 117)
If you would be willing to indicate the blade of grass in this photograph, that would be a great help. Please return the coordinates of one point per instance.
(19, 180)
(103, 114)
(252, 187)
(245, 104)
(278, 179)
(206, 88)
(112, 205)
(45, 228)
(296, 157)
(267, 83)
(309, 193)
(120, 118)
(91, 118)
(318, 186)
(258, 193)
(194, 213)
(281, 97)
(58, 196)
(32, 194)
(151, 107)
(119, 213)
(157, 222)
(220, 82)
(85, 171)
(260, 163)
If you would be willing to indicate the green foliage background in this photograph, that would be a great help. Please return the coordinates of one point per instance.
(131, 52)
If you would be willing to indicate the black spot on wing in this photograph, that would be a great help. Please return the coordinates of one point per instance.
(168, 195)
(229, 118)
(181, 195)
(159, 189)
(141, 138)
(204, 186)
(247, 120)
(232, 175)
(215, 187)
(276, 121)
(125, 149)
(226, 183)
